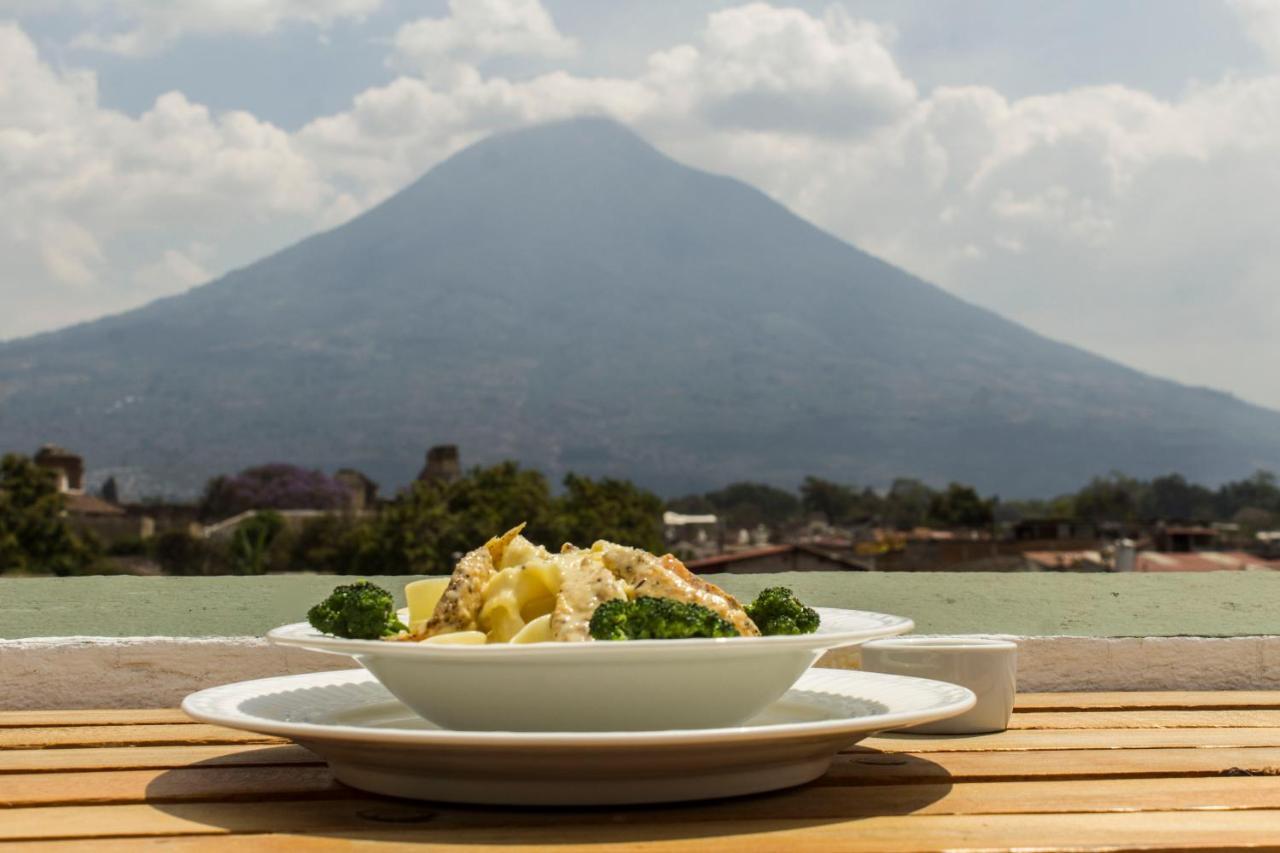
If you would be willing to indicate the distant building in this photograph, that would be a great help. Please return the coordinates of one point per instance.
(294, 519)
(1046, 529)
(777, 558)
(1203, 561)
(1184, 539)
(442, 465)
(692, 536)
(362, 493)
(1067, 561)
(68, 467)
(105, 519)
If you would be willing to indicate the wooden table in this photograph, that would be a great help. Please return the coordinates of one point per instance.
(1080, 771)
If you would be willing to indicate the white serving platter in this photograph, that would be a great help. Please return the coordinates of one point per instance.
(373, 742)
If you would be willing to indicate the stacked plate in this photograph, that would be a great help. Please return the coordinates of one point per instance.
(584, 723)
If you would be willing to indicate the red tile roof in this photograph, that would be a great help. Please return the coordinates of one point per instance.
(81, 504)
(1202, 561)
(736, 556)
(1062, 559)
(724, 562)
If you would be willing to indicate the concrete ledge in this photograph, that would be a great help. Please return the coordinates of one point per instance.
(138, 672)
(157, 639)
(157, 672)
(1208, 604)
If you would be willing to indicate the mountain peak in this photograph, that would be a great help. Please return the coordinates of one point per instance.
(576, 145)
(568, 296)
(580, 132)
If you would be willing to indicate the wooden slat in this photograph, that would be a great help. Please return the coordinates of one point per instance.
(1111, 832)
(87, 736)
(225, 784)
(848, 769)
(259, 779)
(1182, 719)
(1052, 739)
(150, 757)
(1148, 701)
(110, 717)
(1089, 797)
(871, 768)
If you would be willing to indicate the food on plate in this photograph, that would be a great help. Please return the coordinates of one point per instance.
(513, 591)
(656, 619)
(357, 611)
(422, 597)
(666, 577)
(776, 610)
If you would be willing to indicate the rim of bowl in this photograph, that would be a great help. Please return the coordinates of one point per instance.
(952, 642)
(886, 625)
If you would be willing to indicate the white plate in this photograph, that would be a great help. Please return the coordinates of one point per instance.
(374, 742)
(597, 686)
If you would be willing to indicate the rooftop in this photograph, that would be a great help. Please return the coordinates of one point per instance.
(1203, 561)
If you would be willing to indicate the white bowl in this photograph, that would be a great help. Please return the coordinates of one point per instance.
(988, 667)
(630, 685)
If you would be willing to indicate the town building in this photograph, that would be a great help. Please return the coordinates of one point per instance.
(777, 558)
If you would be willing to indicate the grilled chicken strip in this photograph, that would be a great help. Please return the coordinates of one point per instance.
(460, 605)
(667, 577)
(586, 585)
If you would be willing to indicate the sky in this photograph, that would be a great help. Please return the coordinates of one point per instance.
(1102, 171)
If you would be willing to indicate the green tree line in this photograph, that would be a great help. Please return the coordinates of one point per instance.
(906, 504)
(1253, 502)
(425, 527)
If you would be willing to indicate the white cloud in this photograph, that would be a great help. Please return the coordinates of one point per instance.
(91, 198)
(1140, 227)
(759, 67)
(478, 29)
(1261, 21)
(175, 267)
(71, 255)
(151, 25)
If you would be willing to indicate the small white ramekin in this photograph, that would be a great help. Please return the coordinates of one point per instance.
(988, 667)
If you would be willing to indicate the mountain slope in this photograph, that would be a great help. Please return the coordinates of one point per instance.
(568, 296)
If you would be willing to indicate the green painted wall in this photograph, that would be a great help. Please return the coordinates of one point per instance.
(1213, 604)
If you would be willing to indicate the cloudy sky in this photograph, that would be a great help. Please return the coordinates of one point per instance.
(1105, 171)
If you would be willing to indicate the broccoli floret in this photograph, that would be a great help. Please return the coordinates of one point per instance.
(656, 619)
(776, 610)
(357, 611)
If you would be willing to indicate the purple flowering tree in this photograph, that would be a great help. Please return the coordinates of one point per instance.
(273, 486)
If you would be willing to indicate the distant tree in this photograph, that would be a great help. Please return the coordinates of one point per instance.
(616, 510)
(273, 486)
(836, 503)
(907, 503)
(1260, 491)
(426, 528)
(110, 491)
(487, 501)
(34, 532)
(251, 542)
(1114, 498)
(743, 504)
(1172, 497)
(1252, 519)
(692, 505)
(960, 506)
(325, 544)
(179, 553)
(1062, 506)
